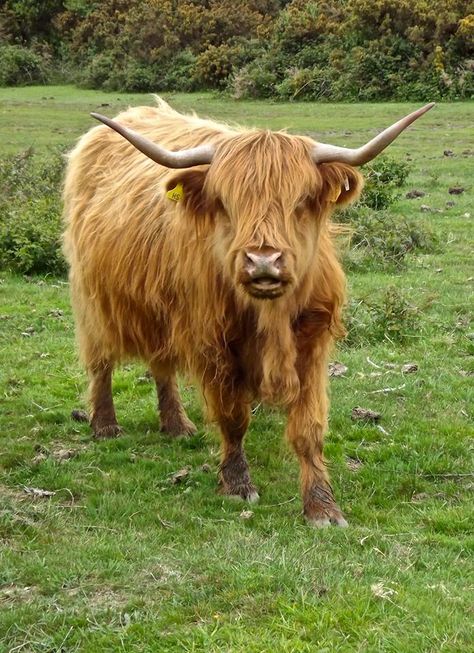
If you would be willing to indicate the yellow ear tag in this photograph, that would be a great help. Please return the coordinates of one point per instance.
(335, 197)
(176, 193)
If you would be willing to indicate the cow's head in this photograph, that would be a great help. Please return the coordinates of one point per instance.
(267, 193)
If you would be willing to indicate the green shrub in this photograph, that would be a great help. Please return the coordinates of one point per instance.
(98, 72)
(389, 317)
(138, 78)
(257, 79)
(214, 66)
(179, 75)
(383, 178)
(21, 66)
(336, 50)
(30, 213)
(30, 238)
(381, 239)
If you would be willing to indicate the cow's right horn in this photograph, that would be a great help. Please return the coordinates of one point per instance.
(324, 153)
(181, 159)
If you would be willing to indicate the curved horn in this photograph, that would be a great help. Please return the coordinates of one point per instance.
(323, 153)
(181, 159)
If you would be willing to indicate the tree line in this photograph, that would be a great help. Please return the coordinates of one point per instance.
(334, 50)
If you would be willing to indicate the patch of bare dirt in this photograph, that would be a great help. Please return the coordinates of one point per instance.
(13, 594)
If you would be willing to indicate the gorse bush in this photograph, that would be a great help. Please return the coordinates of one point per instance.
(360, 50)
(30, 213)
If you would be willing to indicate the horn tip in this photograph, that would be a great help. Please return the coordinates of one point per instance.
(428, 106)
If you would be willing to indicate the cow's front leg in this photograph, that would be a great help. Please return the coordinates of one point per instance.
(307, 419)
(234, 475)
(306, 434)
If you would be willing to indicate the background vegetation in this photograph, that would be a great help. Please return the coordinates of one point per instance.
(100, 550)
(300, 49)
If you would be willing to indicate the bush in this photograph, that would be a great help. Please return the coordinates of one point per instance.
(98, 71)
(30, 213)
(257, 79)
(381, 239)
(20, 66)
(390, 317)
(179, 75)
(214, 66)
(336, 50)
(383, 177)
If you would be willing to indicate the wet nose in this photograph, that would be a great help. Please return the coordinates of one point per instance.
(263, 264)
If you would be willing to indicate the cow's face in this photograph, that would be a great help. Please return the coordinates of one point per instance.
(269, 202)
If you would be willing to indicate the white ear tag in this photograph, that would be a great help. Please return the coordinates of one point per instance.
(346, 183)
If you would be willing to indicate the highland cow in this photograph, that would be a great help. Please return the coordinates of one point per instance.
(214, 257)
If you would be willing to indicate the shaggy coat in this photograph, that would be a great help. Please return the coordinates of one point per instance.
(165, 281)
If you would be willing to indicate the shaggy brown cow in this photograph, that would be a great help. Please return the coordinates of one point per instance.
(225, 270)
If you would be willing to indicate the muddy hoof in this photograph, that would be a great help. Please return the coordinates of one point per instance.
(326, 517)
(247, 492)
(107, 432)
(324, 522)
(320, 509)
(178, 428)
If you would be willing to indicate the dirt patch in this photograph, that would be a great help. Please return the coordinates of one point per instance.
(161, 574)
(13, 594)
(106, 599)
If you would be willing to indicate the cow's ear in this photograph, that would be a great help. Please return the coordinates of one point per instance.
(342, 184)
(188, 187)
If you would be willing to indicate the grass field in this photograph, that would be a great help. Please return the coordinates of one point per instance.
(119, 558)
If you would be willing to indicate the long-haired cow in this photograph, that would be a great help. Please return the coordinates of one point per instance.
(225, 269)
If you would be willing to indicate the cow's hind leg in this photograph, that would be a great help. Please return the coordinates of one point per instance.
(173, 418)
(103, 419)
(234, 475)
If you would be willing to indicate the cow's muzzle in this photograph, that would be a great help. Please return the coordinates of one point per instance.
(263, 273)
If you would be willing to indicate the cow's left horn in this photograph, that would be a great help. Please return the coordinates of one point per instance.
(181, 159)
(323, 153)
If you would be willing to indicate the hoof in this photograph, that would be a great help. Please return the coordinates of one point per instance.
(107, 432)
(178, 428)
(324, 522)
(242, 492)
(320, 509)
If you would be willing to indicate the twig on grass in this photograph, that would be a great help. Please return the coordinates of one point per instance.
(385, 390)
(373, 364)
(276, 505)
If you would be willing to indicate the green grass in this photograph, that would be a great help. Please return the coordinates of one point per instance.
(122, 559)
